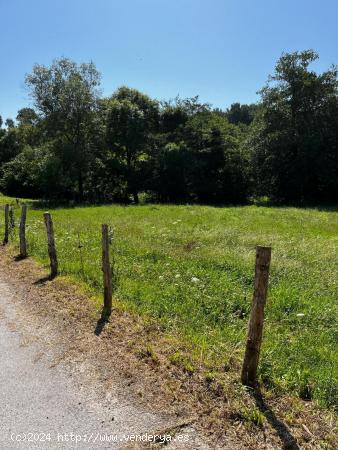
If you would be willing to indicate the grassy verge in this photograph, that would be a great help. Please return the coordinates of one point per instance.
(190, 268)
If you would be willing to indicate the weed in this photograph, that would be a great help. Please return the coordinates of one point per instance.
(149, 353)
(180, 360)
(253, 415)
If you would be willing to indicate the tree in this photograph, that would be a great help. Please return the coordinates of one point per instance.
(216, 171)
(295, 137)
(199, 160)
(27, 116)
(170, 161)
(131, 118)
(74, 144)
(9, 146)
(28, 128)
(9, 123)
(19, 175)
(238, 113)
(65, 96)
(168, 166)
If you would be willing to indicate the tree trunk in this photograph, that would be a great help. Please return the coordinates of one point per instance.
(80, 185)
(136, 199)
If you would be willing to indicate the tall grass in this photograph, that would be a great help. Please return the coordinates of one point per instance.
(191, 268)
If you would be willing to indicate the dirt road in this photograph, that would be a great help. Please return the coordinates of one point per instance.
(43, 406)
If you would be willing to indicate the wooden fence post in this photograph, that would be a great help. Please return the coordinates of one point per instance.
(107, 276)
(255, 329)
(11, 219)
(51, 245)
(5, 241)
(6, 224)
(22, 232)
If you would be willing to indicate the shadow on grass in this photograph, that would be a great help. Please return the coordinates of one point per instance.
(288, 440)
(101, 323)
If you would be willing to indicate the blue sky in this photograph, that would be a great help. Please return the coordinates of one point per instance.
(222, 50)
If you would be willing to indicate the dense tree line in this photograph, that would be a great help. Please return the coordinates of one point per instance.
(75, 144)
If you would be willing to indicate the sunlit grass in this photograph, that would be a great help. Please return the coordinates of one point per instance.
(191, 268)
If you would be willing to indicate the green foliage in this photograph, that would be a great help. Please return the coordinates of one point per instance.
(197, 157)
(65, 95)
(254, 416)
(243, 114)
(180, 360)
(36, 171)
(294, 140)
(131, 117)
(9, 146)
(9, 123)
(96, 149)
(214, 157)
(20, 174)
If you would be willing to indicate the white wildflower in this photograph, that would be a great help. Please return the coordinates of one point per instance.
(195, 279)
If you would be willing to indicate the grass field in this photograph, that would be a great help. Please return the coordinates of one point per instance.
(191, 269)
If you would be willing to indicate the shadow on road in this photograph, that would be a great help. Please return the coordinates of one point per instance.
(19, 258)
(288, 440)
(43, 280)
(101, 323)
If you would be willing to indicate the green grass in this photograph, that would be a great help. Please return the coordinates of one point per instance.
(191, 268)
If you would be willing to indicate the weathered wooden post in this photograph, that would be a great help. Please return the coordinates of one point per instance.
(6, 224)
(22, 232)
(11, 219)
(255, 329)
(51, 245)
(107, 276)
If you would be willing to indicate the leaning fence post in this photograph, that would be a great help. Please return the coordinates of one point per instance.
(51, 245)
(22, 232)
(6, 224)
(255, 329)
(106, 268)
